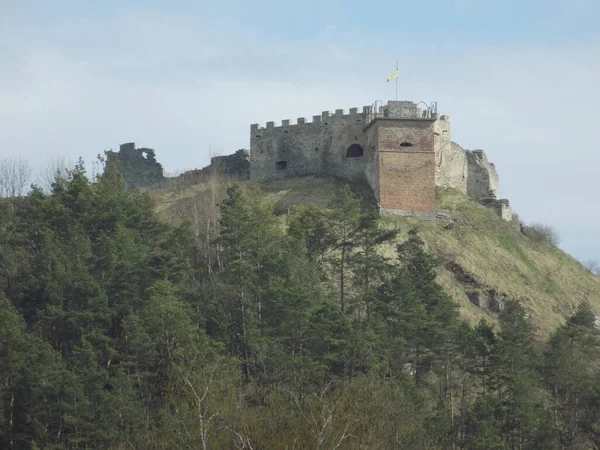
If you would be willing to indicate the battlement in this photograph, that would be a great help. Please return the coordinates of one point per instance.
(392, 110)
(324, 118)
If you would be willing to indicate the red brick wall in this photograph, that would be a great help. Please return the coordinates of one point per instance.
(406, 174)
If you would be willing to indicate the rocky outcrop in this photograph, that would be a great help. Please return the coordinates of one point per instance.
(484, 297)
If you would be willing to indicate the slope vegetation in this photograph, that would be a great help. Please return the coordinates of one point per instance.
(485, 261)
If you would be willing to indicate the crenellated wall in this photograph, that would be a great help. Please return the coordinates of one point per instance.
(400, 150)
(309, 148)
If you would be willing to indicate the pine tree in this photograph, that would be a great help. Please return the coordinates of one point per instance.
(344, 222)
(514, 364)
(571, 370)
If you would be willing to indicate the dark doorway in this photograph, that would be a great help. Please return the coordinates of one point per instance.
(354, 151)
(281, 165)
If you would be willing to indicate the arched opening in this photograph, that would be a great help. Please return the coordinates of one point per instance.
(354, 151)
(406, 144)
(281, 165)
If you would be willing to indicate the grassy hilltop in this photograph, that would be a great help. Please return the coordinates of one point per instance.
(481, 255)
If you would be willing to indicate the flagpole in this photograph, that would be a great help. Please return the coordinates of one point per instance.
(397, 80)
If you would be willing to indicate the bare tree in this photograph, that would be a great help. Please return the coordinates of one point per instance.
(98, 167)
(540, 232)
(201, 398)
(593, 266)
(57, 166)
(321, 423)
(15, 174)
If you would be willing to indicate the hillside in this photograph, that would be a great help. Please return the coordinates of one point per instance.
(249, 329)
(484, 260)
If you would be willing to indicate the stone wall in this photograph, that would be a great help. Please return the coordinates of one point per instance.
(138, 166)
(500, 206)
(399, 145)
(450, 158)
(372, 161)
(237, 164)
(234, 166)
(482, 178)
(310, 148)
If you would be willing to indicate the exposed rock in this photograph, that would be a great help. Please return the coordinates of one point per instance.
(485, 298)
(443, 214)
(488, 299)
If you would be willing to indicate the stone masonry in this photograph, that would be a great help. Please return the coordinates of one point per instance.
(401, 151)
(138, 166)
(141, 170)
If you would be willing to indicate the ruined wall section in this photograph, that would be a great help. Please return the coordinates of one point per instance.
(310, 148)
(236, 164)
(500, 206)
(482, 177)
(450, 158)
(138, 166)
(406, 166)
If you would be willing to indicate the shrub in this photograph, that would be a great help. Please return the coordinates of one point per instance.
(593, 266)
(538, 232)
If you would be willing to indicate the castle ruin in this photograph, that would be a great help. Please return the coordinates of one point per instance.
(400, 150)
(138, 166)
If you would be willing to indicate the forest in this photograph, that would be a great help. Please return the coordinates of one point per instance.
(265, 331)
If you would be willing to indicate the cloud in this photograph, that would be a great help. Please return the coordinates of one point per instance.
(186, 86)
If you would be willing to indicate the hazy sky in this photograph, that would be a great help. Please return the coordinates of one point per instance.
(518, 78)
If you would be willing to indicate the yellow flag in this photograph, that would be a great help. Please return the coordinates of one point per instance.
(392, 76)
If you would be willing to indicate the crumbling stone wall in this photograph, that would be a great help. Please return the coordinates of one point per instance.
(138, 166)
(237, 164)
(482, 178)
(500, 206)
(450, 158)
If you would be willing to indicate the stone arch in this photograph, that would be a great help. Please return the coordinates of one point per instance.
(355, 151)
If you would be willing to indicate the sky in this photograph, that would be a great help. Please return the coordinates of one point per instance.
(519, 79)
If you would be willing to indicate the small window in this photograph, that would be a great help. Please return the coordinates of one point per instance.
(354, 151)
(281, 165)
(406, 144)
